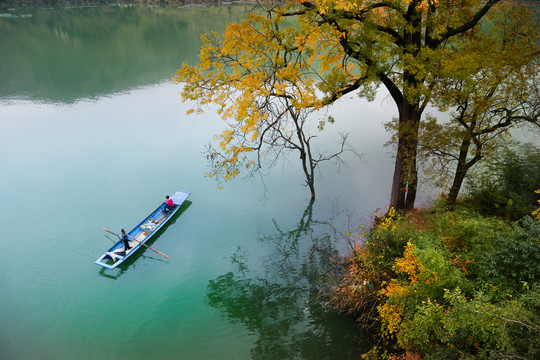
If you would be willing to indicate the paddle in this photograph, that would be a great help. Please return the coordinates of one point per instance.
(110, 239)
(154, 250)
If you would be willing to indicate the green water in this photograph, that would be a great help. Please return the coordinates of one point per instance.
(93, 135)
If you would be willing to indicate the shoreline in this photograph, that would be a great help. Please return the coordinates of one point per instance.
(13, 5)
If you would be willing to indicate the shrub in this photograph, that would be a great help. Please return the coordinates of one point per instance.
(507, 187)
(387, 240)
(447, 285)
(475, 328)
(515, 257)
(356, 292)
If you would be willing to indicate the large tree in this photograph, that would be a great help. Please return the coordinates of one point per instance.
(498, 92)
(332, 48)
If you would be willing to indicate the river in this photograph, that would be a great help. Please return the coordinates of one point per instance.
(93, 134)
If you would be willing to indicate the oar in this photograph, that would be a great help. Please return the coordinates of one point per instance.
(154, 250)
(110, 239)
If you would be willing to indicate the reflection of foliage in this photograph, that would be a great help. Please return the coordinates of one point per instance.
(265, 308)
(279, 300)
(289, 244)
(94, 51)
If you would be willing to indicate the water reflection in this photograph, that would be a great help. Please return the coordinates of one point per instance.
(65, 54)
(278, 299)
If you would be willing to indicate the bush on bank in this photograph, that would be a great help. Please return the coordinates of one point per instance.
(445, 284)
(506, 186)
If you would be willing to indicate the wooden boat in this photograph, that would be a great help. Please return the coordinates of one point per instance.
(139, 235)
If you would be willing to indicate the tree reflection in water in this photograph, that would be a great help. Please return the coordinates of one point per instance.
(278, 300)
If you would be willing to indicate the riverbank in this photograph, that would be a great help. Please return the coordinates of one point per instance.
(446, 284)
(454, 281)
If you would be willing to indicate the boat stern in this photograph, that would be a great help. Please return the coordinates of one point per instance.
(107, 261)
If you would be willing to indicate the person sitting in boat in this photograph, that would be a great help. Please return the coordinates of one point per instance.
(169, 204)
(125, 239)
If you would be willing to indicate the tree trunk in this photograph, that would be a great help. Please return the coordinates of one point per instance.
(462, 168)
(397, 196)
(412, 184)
(311, 177)
(309, 169)
(412, 180)
(405, 179)
(312, 189)
(461, 171)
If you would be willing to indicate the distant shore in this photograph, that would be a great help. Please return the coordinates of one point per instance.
(59, 3)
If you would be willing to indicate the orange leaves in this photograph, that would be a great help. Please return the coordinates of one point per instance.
(407, 356)
(395, 289)
(356, 6)
(396, 292)
(226, 137)
(461, 263)
(424, 4)
(252, 61)
(388, 221)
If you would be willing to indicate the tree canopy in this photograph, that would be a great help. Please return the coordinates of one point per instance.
(498, 92)
(265, 87)
(500, 95)
(310, 53)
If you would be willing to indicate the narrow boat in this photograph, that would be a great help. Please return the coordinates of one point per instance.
(141, 233)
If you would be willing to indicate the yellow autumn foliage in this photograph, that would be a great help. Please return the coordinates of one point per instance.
(306, 54)
(410, 265)
(391, 316)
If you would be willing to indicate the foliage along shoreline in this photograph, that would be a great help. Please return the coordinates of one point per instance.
(453, 283)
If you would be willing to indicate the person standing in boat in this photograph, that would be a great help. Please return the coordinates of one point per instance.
(169, 204)
(125, 239)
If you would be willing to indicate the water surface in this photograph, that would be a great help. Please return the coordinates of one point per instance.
(92, 135)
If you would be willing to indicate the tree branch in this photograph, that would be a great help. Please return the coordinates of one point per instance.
(466, 26)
